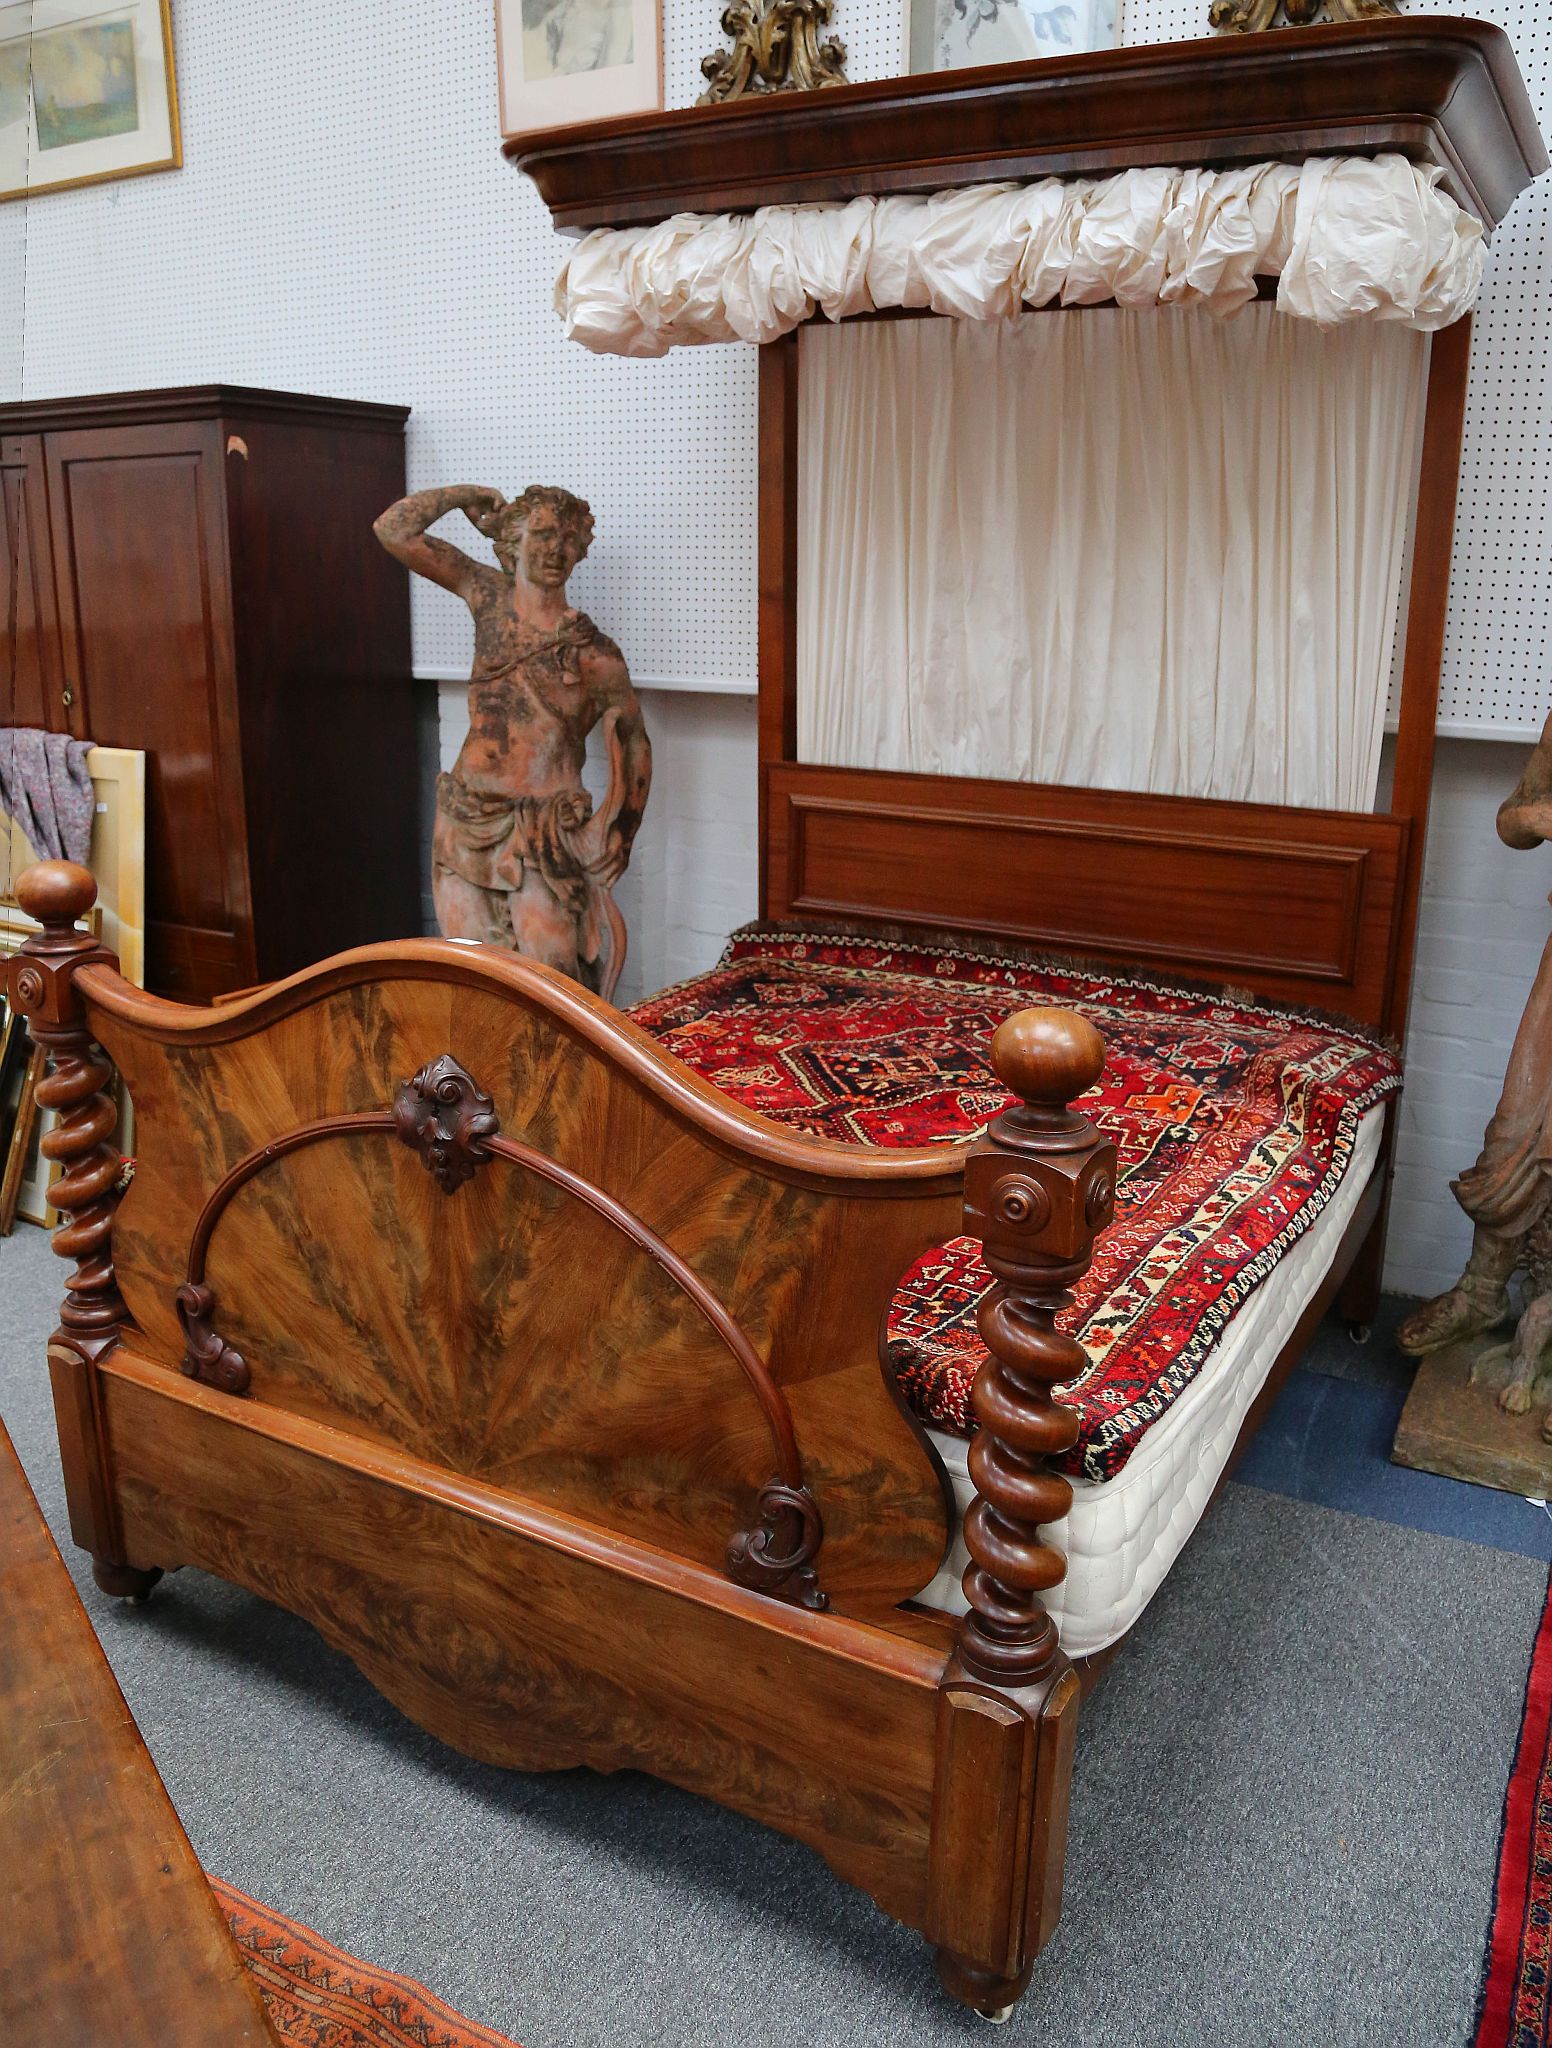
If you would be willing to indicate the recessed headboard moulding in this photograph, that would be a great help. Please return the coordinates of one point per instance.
(1433, 88)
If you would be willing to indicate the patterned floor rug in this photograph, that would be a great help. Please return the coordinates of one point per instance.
(317, 1995)
(1517, 1986)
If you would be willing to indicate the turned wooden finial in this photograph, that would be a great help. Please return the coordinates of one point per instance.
(1038, 1188)
(56, 893)
(1046, 1057)
(42, 987)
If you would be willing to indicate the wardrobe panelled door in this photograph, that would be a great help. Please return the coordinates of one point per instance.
(140, 572)
(194, 574)
(32, 685)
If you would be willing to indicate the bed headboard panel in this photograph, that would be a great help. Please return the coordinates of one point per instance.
(1298, 905)
(1316, 907)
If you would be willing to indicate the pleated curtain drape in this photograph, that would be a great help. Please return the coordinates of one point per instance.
(1153, 551)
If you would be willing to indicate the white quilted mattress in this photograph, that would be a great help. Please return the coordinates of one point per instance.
(1123, 1534)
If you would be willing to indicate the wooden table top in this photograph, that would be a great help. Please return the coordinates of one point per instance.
(109, 1933)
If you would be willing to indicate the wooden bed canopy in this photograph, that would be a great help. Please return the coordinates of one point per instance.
(451, 1311)
(1441, 91)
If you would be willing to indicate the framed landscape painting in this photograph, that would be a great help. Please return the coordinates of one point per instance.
(947, 35)
(560, 61)
(86, 93)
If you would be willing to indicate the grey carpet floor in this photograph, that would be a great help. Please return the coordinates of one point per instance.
(1284, 1822)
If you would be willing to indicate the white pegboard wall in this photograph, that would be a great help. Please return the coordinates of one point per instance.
(345, 223)
(13, 290)
(1498, 643)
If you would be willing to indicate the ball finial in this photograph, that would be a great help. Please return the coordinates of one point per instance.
(56, 892)
(1047, 1056)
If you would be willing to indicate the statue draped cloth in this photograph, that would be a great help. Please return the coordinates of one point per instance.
(489, 836)
(1507, 1187)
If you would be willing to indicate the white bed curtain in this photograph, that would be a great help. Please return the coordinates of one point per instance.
(1113, 549)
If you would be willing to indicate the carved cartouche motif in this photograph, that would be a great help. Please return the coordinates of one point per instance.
(445, 1115)
(1250, 16)
(776, 48)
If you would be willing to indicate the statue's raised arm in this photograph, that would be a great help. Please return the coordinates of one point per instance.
(402, 529)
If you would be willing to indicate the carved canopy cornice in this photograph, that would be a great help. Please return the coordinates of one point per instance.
(1444, 93)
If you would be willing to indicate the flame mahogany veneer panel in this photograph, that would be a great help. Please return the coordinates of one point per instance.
(1297, 905)
(505, 1332)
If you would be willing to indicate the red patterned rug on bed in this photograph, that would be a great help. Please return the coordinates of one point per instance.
(1517, 1985)
(1235, 1121)
(317, 1995)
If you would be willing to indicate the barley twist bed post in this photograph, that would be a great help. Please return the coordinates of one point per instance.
(1039, 1187)
(41, 982)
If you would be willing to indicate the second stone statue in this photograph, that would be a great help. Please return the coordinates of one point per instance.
(521, 858)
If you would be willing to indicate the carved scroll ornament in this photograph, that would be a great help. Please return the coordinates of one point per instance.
(207, 1357)
(776, 48)
(1249, 16)
(777, 1555)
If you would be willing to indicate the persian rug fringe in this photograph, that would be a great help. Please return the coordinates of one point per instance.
(1515, 2009)
(314, 1992)
(985, 949)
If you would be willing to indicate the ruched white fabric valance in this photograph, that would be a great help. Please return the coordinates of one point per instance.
(1348, 238)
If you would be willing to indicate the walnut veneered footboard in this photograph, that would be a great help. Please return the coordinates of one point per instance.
(450, 1311)
(453, 1206)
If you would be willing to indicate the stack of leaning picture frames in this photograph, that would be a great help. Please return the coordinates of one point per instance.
(117, 861)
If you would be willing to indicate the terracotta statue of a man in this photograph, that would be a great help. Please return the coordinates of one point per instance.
(520, 858)
(1508, 1193)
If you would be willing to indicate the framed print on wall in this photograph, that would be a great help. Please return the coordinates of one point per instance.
(561, 61)
(947, 35)
(87, 92)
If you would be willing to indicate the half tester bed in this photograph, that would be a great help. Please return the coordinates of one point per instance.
(797, 1388)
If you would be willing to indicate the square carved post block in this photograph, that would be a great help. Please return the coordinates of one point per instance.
(1039, 1187)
